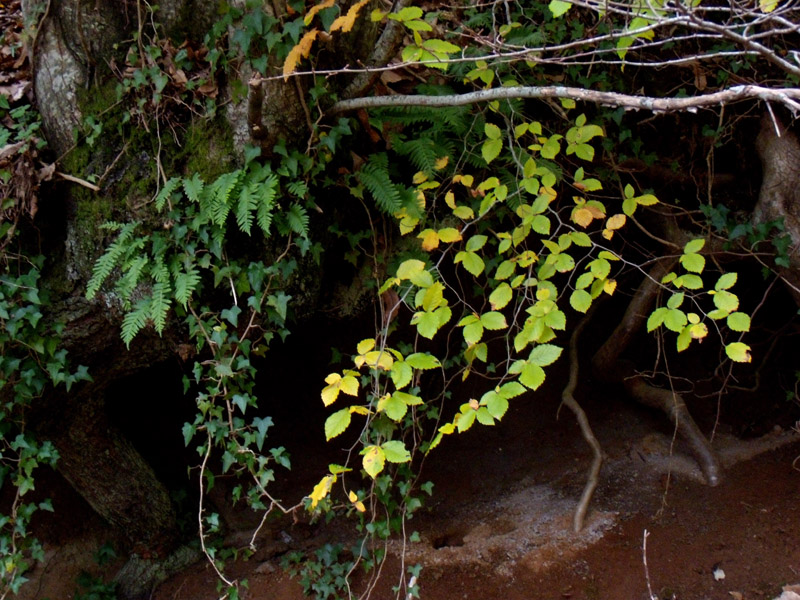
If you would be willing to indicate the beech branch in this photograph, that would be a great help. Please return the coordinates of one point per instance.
(790, 97)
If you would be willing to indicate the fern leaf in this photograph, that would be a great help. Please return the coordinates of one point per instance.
(193, 187)
(135, 321)
(298, 188)
(169, 187)
(132, 273)
(106, 263)
(248, 202)
(297, 219)
(375, 177)
(266, 199)
(186, 284)
(160, 301)
(220, 203)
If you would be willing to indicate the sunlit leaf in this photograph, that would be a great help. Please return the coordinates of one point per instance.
(374, 460)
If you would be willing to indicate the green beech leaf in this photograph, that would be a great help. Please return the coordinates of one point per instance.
(739, 321)
(422, 361)
(491, 150)
(726, 281)
(694, 246)
(580, 300)
(501, 296)
(337, 423)
(395, 451)
(374, 460)
(493, 320)
(738, 352)
(559, 7)
(544, 354)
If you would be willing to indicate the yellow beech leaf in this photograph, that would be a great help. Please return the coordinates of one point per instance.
(441, 163)
(356, 502)
(315, 9)
(331, 391)
(608, 233)
(616, 221)
(346, 22)
(449, 235)
(373, 461)
(450, 199)
(582, 216)
(465, 180)
(430, 240)
(301, 50)
(419, 177)
(609, 285)
(349, 385)
(322, 489)
(365, 346)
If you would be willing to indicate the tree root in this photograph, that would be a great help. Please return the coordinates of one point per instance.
(568, 399)
(608, 367)
(139, 577)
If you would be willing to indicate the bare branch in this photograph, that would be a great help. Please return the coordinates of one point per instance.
(787, 96)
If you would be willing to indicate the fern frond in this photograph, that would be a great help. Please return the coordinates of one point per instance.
(297, 188)
(135, 321)
(186, 284)
(132, 271)
(248, 202)
(160, 300)
(193, 188)
(375, 177)
(169, 187)
(266, 199)
(297, 219)
(220, 202)
(106, 263)
(422, 152)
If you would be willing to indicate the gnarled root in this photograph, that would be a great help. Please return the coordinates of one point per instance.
(568, 399)
(608, 366)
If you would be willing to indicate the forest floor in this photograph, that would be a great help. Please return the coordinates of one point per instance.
(500, 522)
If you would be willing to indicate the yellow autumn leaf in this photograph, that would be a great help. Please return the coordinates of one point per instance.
(609, 285)
(322, 489)
(616, 221)
(349, 385)
(449, 235)
(346, 22)
(608, 233)
(441, 163)
(300, 51)
(419, 177)
(582, 216)
(356, 502)
(430, 240)
(365, 346)
(373, 461)
(450, 199)
(315, 9)
(331, 391)
(465, 180)
(767, 6)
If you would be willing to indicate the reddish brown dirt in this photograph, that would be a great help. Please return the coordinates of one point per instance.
(499, 525)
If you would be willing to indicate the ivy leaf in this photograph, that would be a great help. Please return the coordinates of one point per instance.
(337, 423)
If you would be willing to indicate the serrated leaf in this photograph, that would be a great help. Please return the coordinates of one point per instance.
(501, 296)
(471, 262)
(395, 451)
(401, 374)
(726, 281)
(726, 301)
(675, 320)
(532, 376)
(495, 404)
(739, 321)
(580, 300)
(449, 235)
(430, 239)
(493, 320)
(512, 389)
(656, 318)
(374, 460)
(337, 423)
(694, 246)
(321, 490)
(491, 149)
(544, 354)
(393, 406)
(492, 131)
(423, 361)
(738, 352)
(559, 7)
(473, 332)
(693, 262)
(365, 346)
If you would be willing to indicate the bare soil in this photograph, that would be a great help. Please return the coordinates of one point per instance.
(500, 522)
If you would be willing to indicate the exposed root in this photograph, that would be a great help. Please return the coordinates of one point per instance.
(568, 399)
(609, 367)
